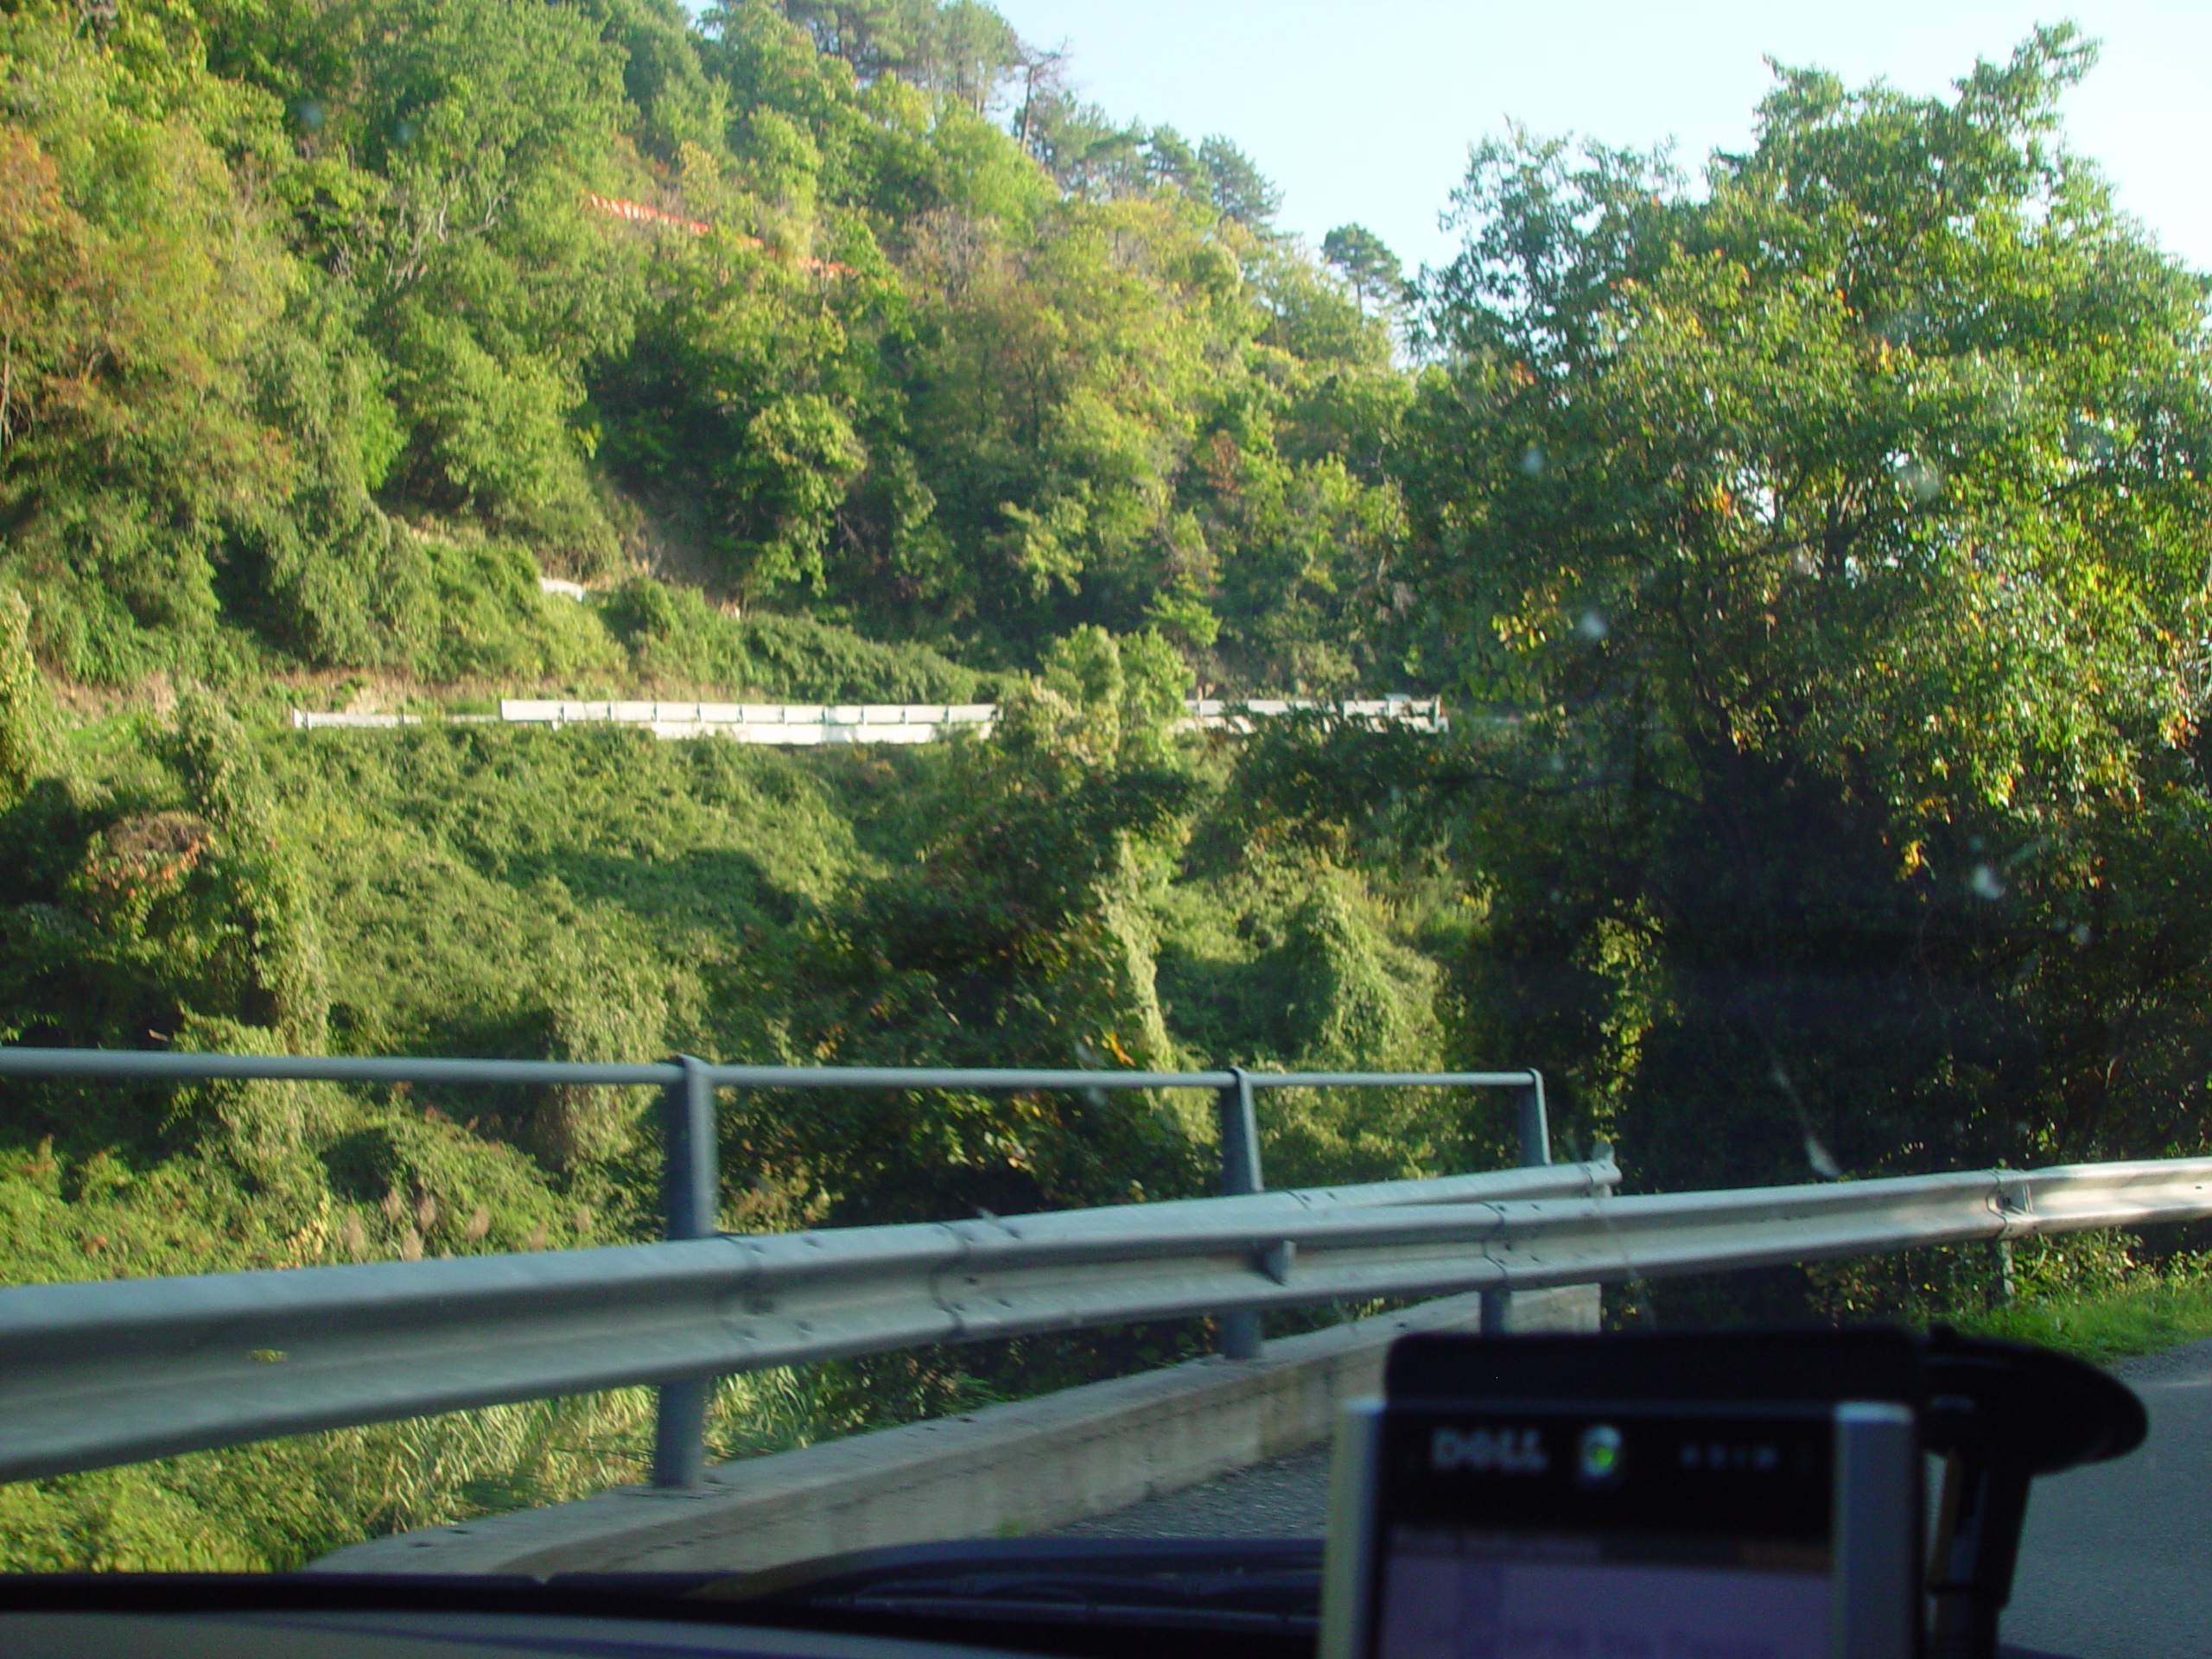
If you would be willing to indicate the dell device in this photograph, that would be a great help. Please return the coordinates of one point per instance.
(1626, 1525)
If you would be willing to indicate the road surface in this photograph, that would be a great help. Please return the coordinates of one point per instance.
(2117, 1559)
(2116, 1562)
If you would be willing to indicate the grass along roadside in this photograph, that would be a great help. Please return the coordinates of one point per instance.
(2105, 1326)
(2096, 1296)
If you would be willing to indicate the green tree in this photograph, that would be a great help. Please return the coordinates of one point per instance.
(673, 101)
(1837, 537)
(1016, 933)
(138, 289)
(26, 704)
(962, 48)
(1235, 185)
(1055, 385)
(1365, 261)
(735, 417)
(486, 281)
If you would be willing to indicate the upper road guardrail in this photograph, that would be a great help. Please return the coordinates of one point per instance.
(805, 725)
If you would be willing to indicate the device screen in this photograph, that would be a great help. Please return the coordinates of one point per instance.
(1551, 1531)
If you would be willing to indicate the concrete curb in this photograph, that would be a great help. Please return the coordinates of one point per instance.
(1006, 1470)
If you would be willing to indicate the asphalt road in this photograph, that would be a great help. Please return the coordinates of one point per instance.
(1287, 1498)
(2116, 1562)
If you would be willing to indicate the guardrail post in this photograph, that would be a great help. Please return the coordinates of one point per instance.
(691, 1205)
(1240, 1173)
(1535, 1125)
(1536, 1150)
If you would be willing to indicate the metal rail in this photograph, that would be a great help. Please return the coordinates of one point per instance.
(116, 1371)
(801, 725)
(96, 1374)
(691, 1189)
(334, 1068)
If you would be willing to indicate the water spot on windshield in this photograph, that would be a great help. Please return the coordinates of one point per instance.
(1919, 478)
(1819, 1159)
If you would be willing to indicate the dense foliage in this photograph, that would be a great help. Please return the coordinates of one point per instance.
(305, 302)
(1815, 559)
(1836, 539)
(190, 881)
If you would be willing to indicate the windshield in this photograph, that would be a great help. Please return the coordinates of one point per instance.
(1664, 637)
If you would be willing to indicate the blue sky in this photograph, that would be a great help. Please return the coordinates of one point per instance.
(1365, 112)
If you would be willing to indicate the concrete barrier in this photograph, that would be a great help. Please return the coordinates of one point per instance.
(1001, 1470)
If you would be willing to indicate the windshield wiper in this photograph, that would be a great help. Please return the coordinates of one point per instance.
(1245, 1596)
(1245, 1583)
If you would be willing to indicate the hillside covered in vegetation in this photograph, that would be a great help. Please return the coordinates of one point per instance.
(1812, 557)
(331, 326)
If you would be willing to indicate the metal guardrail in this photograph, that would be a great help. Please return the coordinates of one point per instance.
(106, 1372)
(809, 724)
(690, 1182)
(341, 1068)
(790, 725)
(109, 1372)
(121, 1369)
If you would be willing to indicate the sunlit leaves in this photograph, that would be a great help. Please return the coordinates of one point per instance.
(1838, 532)
(1827, 473)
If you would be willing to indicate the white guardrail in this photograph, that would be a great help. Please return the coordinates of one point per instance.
(800, 725)
(109, 1372)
